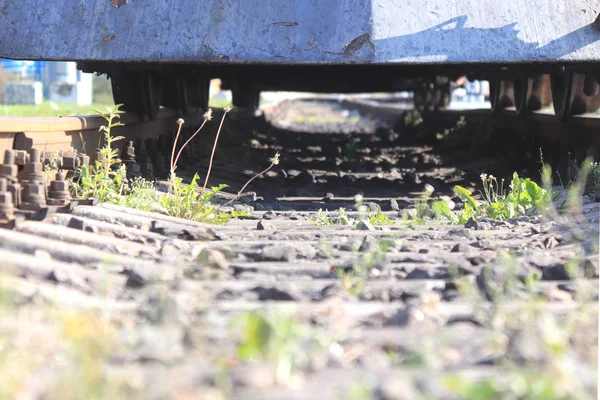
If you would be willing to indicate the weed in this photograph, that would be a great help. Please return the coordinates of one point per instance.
(421, 210)
(519, 384)
(353, 281)
(596, 178)
(461, 123)
(322, 218)
(274, 161)
(379, 218)
(376, 218)
(413, 119)
(277, 338)
(185, 201)
(350, 150)
(190, 201)
(523, 196)
(140, 194)
(101, 181)
(225, 111)
(360, 389)
(571, 218)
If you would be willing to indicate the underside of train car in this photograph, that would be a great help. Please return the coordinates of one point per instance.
(535, 54)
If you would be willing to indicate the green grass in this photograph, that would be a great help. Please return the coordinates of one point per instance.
(52, 109)
(47, 109)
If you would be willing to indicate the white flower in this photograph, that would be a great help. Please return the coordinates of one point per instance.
(483, 177)
(275, 159)
(492, 177)
(429, 188)
(358, 198)
(180, 121)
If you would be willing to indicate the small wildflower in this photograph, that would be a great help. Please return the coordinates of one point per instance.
(429, 188)
(492, 177)
(483, 177)
(208, 115)
(180, 121)
(358, 198)
(275, 159)
(227, 109)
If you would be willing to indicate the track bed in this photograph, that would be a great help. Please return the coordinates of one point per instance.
(109, 301)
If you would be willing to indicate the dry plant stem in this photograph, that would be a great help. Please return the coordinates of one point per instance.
(244, 187)
(175, 146)
(185, 144)
(214, 149)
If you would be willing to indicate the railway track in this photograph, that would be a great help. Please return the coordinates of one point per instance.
(106, 300)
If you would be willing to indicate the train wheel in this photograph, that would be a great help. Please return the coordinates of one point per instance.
(537, 93)
(569, 95)
(442, 96)
(150, 89)
(179, 97)
(425, 97)
(589, 93)
(502, 94)
(123, 93)
(199, 92)
(561, 94)
(520, 93)
(244, 96)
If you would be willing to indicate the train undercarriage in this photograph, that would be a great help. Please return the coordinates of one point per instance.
(570, 90)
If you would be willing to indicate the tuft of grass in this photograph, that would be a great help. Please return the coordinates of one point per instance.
(139, 194)
(190, 202)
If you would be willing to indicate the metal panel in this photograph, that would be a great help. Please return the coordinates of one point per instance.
(308, 31)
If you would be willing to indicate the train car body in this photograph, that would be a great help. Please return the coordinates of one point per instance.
(346, 45)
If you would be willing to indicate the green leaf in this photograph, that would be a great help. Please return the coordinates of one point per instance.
(465, 195)
(216, 189)
(440, 207)
(257, 333)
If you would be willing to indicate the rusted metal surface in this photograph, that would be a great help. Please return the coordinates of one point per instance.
(302, 31)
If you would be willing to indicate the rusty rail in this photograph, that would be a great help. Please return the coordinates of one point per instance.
(81, 132)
